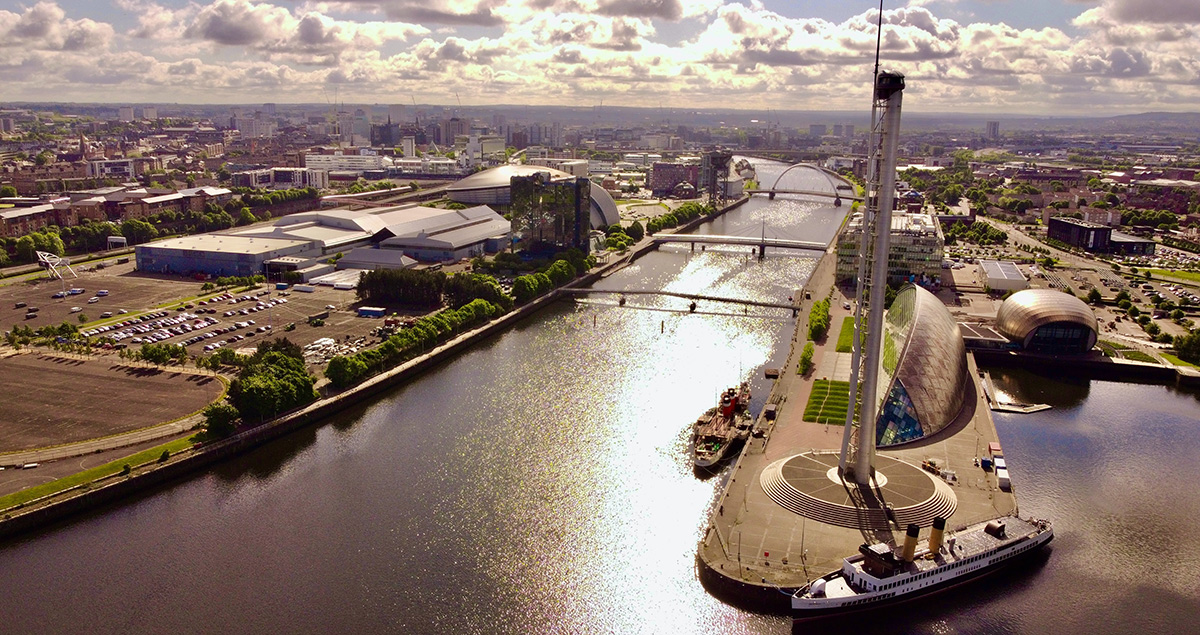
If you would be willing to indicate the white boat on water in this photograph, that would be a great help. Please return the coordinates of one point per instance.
(881, 574)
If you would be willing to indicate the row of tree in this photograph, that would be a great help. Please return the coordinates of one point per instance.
(682, 214)
(818, 320)
(344, 371)
(978, 232)
(261, 198)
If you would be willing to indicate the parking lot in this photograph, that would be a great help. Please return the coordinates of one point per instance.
(136, 308)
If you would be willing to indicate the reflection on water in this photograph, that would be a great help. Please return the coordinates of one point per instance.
(541, 483)
(1016, 385)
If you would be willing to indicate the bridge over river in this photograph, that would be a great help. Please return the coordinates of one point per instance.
(694, 297)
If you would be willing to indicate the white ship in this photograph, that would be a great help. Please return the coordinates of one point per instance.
(881, 574)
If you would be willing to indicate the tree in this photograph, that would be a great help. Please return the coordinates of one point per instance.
(45, 157)
(246, 217)
(1094, 297)
(138, 231)
(220, 419)
(636, 231)
(1188, 347)
(8, 191)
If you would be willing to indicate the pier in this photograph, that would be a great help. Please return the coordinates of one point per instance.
(782, 520)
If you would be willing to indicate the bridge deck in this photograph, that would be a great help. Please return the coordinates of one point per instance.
(851, 197)
(688, 296)
(714, 239)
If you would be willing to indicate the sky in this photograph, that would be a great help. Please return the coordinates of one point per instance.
(1019, 57)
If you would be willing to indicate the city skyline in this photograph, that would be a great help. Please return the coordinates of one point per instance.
(1017, 57)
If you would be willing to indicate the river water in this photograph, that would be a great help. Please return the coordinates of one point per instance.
(540, 483)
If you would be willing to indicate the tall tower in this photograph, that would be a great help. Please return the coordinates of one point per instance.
(858, 439)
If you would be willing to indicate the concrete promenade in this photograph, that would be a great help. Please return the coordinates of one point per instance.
(754, 547)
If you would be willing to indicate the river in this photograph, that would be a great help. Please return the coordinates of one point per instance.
(540, 483)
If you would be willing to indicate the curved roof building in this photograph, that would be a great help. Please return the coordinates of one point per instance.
(491, 187)
(926, 363)
(1048, 321)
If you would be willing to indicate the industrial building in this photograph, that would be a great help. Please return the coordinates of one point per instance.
(917, 249)
(300, 246)
(1048, 321)
(1095, 237)
(1002, 275)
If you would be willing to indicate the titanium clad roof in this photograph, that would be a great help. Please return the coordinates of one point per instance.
(501, 177)
(932, 365)
(492, 187)
(604, 208)
(1025, 311)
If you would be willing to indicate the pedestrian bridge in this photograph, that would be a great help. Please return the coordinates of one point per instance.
(754, 241)
(694, 297)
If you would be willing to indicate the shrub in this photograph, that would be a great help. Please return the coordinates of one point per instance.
(806, 360)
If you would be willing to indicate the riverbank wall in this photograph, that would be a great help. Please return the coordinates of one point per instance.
(62, 505)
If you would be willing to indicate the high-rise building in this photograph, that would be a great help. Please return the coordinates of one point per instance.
(269, 108)
(848, 131)
(150, 112)
(817, 130)
(993, 130)
(125, 113)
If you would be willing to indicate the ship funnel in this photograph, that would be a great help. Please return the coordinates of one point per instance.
(910, 542)
(935, 536)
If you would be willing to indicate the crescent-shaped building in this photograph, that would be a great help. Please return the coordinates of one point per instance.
(493, 187)
(1048, 321)
(925, 360)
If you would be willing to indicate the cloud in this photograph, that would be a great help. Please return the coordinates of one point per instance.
(1155, 12)
(450, 12)
(311, 38)
(44, 26)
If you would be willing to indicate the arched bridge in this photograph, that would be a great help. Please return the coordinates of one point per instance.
(837, 183)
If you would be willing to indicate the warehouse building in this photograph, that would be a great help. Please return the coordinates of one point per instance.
(302, 244)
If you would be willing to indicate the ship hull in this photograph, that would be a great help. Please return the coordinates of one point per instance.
(807, 610)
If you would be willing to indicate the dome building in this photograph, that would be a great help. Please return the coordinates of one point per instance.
(492, 187)
(925, 363)
(1048, 321)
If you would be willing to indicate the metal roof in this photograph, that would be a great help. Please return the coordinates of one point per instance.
(1025, 311)
(1001, 269)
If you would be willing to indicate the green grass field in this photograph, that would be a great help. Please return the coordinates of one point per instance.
(1175, 360)
(1138, 356)
(845, 343)
(1117, 346)
(94, 474)
(1190, 276)
(828, 402)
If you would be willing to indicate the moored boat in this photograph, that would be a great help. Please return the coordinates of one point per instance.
(721, 426)
(881, 574)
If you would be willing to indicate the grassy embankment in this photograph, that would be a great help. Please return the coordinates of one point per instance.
(97, 473)
(1175, 360)
(845, 343)
(1189, 276)
(828, 402)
